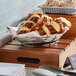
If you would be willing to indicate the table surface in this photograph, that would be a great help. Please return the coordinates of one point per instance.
(15, 45)
(29, 70)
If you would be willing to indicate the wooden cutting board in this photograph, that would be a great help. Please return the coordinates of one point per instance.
(54, 55)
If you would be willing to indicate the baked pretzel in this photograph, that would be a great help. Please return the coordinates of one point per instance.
(32, 23)
(37, 20)
(65, 22)
(43, 24)
(25, 26)
(47, 20)
(59, 25)
(44, 19)
(43, 30)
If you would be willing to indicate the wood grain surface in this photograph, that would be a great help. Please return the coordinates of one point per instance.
(54, 55)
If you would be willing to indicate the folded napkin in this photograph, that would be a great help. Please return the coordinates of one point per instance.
(12, 69)
(29, 36)
(5, 39)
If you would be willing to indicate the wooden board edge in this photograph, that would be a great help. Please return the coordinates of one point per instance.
(68, 52)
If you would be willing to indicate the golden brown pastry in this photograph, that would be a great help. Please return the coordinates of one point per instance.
(43, 19)
(43, 30)
(65, 22)
(38, 19)
(60, 3)
(47, 20)
(32, 23)
(54, 3)
(25, 27)
(70, 3)
(58, 26)
(43, 24)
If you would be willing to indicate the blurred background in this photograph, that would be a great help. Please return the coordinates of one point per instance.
(12, 11)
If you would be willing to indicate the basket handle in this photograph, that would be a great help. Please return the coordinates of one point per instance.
(28, 60)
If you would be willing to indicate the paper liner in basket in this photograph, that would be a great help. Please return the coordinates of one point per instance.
(33, 37)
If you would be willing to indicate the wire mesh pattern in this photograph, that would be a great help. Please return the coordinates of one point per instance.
(37, 42)
(59, 10)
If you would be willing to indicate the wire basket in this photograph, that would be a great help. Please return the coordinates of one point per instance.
(37, 42)
(59, 10)
(34, 40)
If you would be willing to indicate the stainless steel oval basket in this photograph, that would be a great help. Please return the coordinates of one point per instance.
(37, 42)
(58, 10)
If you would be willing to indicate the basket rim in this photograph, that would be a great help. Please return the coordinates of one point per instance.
(40, 43)
(68, 8)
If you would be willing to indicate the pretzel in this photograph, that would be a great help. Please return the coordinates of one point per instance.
(31, 23)
(65, 22)
(43, 24)
(37, 21)
(43, 30)
(25, 27)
